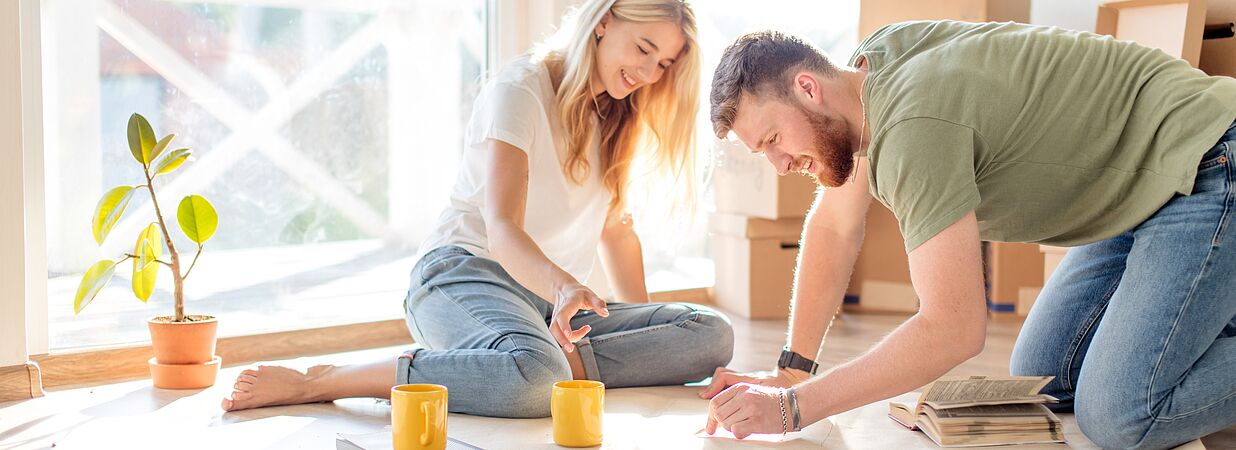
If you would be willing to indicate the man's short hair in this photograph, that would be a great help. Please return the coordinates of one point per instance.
(761, 63)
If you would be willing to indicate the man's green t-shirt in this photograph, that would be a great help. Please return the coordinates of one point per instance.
(1049, 135)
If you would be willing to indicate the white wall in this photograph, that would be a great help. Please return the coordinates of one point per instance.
(1071, 14)
(522, 23)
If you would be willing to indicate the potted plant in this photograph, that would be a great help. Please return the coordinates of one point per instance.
(184, 345)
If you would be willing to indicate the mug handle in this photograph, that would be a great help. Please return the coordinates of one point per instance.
(427, 435)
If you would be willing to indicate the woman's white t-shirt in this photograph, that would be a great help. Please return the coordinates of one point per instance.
(564, 219)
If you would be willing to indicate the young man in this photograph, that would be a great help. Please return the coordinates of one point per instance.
(1004, 132)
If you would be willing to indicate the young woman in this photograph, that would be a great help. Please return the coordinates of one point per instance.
(497, 299)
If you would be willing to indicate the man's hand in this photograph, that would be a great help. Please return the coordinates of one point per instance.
(570, 299)
(747, 409)
(724, 378)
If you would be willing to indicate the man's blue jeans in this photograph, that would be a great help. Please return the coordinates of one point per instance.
(1139, 329)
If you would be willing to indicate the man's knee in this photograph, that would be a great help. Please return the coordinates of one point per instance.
(1027, 362)
(1112, 417)
(1107, 427)
(1033, 356)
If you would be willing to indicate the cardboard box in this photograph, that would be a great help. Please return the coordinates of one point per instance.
(1218, 56)
(1174, 26)
(1025, 299)
(1051, 259)
(873, 14)
(1013, 271)
(747, 185)
(755, 261)
(882, 273)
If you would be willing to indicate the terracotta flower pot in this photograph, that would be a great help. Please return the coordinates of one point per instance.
(184, 352)
(184, 376)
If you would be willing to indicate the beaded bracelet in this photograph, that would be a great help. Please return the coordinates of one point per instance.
(785, 426)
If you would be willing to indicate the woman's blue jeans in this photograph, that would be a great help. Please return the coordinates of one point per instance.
(486, 338)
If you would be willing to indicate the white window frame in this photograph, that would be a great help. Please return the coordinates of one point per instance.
(23, 261)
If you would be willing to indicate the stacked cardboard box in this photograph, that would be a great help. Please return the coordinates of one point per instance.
(747, 185)
(1052, 256)
(882, 273)
(873, 14)
(755, 233)
(1014, 277)
(1218, 56)
(1174, 26)
(755, 261)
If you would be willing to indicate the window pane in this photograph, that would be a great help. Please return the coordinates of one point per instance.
(326, 137)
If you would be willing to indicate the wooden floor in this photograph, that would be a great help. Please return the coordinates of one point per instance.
(134, 415)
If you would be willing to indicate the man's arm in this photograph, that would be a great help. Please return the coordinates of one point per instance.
(950, 327)
(622, 257)
(832, 236)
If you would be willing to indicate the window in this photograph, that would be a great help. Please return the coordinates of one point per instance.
(326, 133)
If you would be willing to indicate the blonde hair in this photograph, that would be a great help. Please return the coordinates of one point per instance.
(653, 128)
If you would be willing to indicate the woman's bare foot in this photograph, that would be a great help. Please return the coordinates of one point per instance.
(277, 385)
(274, 385)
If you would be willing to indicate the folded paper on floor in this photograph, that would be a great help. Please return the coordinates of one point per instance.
(383, 440)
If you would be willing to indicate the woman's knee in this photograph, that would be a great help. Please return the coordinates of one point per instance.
(713, 342)
(720, 335)
(529, 392)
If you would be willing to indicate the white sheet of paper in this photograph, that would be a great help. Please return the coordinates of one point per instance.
(382, 440)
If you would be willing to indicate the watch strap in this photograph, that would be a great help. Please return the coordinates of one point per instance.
(792, 360)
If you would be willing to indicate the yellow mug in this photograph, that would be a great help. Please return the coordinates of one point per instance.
(577, 406)
(418, 416)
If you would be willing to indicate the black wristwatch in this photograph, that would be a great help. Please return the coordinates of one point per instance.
(793, 360)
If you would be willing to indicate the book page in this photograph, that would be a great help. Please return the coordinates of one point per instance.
(978, 390)
(902, 414)
(977, 414)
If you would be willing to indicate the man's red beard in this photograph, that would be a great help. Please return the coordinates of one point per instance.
(832, 148)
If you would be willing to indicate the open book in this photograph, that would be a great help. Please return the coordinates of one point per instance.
(959, 411)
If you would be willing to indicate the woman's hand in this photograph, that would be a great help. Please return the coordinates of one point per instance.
(569, 300)
(747, 409)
